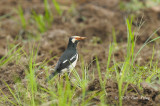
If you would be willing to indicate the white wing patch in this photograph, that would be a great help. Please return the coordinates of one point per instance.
(73, 57)
(65, 61)
(71, 67)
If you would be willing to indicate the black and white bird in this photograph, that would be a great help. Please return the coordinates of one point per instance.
(69, 58)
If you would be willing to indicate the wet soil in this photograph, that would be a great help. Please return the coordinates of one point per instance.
(94, 19)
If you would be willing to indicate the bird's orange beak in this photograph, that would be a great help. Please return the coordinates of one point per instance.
(80, 38)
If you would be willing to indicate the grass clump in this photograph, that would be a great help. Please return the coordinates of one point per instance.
(22, 18)
(43, 22)
(57, 7)
(12, 52)
(134, 5)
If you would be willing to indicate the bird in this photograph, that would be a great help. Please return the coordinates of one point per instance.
(68, 59)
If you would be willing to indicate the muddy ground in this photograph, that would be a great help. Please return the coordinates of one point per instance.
(93, 19)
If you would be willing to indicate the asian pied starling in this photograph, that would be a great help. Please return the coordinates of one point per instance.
(69, 58)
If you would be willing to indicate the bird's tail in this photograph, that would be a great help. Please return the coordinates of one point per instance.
(51, 76)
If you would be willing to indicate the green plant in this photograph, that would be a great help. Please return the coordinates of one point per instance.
(57, 7)
(43, 22)
(126, 65)
(114, 36)
(10, 55)
(22, 18)
(134, 5)
(48, 17)
(31, 75)
(40, 23)
(127, 73)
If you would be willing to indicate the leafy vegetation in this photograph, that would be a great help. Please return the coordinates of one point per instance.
(22, 18)
(57, 7)
(43, 22)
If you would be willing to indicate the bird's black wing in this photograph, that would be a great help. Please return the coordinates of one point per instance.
(65, 60)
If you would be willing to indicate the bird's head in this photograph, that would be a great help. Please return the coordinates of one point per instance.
(76, 39)
(73, 41)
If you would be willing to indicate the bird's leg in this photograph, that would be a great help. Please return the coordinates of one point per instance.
(59, 77)
(69, 73)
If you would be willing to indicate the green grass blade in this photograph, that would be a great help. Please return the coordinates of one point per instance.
(13, 94)
(57, 7)
(22, 18)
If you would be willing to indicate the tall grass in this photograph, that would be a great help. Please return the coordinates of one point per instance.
(22, 18)
(130, 6)
(48, 13)
(127, 73)
(114, 36)
(10, 55)
(57, 7)
(39, 21)
(12, 52)
(31, 75)
(43, 22)
(128, 60)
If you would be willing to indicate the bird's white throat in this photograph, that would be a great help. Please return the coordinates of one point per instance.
(73, 40)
